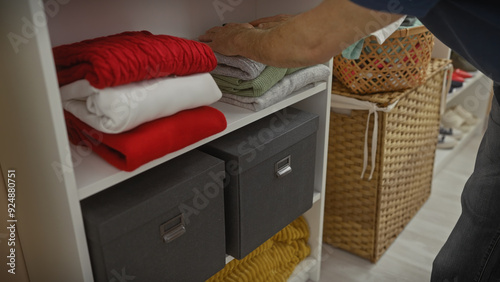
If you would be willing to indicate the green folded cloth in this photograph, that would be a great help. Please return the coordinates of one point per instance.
(255, 87)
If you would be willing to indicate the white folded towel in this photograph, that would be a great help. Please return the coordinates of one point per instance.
(121, 108)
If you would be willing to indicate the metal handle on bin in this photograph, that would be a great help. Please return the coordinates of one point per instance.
(283, 167)
(170, 234)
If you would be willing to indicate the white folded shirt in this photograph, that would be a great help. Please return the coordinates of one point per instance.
(121, 108)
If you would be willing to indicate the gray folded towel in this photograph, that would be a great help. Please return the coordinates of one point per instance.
(290, 83)
(237, 66)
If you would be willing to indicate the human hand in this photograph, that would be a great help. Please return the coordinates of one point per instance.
(270, 22)
(221, 38)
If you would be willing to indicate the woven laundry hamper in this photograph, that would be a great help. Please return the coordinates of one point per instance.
(362, 215)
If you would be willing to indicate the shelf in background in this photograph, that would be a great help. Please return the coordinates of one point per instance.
(444, 156)
(467, 83)
(229, 258)
(93, 174)
(301, 271)
(316, 197)
(460, 96)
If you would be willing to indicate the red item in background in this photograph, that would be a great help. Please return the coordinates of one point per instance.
(462, 73)
(130, 56)
(456, 77)
(131, 149)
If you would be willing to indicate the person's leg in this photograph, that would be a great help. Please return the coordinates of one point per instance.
(472, 251)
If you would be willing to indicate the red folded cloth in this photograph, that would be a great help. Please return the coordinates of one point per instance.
(130, 56)
(131, 149)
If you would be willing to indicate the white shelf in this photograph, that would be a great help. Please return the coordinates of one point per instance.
(301, 271)
(474, 95)
(316, 197)
(444, 156)
(457, 92)
(57, 176)
(93, 174)
(229, 258)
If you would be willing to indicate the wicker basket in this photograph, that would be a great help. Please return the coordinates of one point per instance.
(365, 216)
(399, 63)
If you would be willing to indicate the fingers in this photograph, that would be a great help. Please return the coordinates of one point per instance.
(263, 23)
(228, 29)
(208, 36)
(220, 38)
(205, 38)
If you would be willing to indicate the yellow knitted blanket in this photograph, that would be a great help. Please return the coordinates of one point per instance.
(274, 260)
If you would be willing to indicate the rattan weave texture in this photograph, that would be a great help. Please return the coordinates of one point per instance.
(365, 216)
(398, 63)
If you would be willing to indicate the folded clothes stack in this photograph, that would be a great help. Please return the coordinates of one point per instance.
(134, 96)
(255, 86)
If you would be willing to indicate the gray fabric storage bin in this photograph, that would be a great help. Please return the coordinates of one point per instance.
(258, 203)
(127, 224)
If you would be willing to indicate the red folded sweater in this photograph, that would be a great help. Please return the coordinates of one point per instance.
(130, 56)
(131, 149)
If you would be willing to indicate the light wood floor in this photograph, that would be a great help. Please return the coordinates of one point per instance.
(410, 256)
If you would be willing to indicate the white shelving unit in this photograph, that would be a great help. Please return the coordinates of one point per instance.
(474, 96)
(54, 176)
(93, 174)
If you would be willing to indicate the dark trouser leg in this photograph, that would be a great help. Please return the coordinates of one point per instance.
(472, 252)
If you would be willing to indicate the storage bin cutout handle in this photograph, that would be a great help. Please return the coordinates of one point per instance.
(169, 233)
(283, 166)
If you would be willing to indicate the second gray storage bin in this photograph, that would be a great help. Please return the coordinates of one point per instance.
(269, 176)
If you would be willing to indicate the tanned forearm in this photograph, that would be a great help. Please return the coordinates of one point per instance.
(309, 38)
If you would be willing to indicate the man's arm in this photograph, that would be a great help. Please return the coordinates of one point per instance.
(306, 39)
